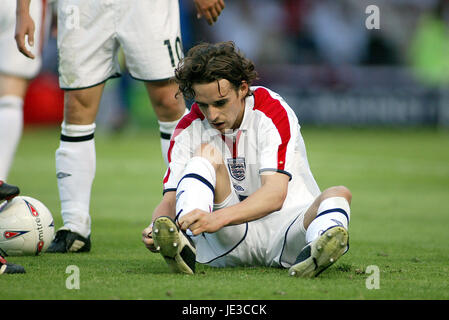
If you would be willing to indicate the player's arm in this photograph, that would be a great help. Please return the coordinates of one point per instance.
(209, 9)
(24, 27)
(167, 207)
(268, 198)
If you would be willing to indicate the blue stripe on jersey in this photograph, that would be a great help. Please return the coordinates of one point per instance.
(168, 190)
(276, 170)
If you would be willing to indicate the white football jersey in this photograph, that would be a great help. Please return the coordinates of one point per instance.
(268, 140)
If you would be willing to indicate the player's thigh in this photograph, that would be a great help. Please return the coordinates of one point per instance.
(12, 85)
(150, 35)
(81, 106)
(12, 62)
(87, 47)
(223, 191)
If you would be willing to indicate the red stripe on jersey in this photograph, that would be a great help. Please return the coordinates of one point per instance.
(194, 114)
(232, 143)
(274, 110)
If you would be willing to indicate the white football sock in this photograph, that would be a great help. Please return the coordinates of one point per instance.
(196, 188)
(75, 170)
(332, 212)
(11, 125)
(167, 128)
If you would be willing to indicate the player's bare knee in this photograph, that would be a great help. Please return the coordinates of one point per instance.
(337, 191)
(345, 193)
(210, 153)
(78, 108)
(166, 104)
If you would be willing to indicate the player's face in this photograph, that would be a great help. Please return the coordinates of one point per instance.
(222, 105)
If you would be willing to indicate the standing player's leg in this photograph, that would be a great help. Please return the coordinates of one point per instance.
(150, 35)
(15, 72)
(169, 109)
(87, 58)
(12, 91)
(326, 222)
(75, 167)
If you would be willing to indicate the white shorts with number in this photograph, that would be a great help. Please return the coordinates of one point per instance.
(91, 32)
(12, 62)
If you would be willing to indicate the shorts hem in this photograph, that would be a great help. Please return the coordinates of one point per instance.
(22, 76)
(115, 75)
(152, 80)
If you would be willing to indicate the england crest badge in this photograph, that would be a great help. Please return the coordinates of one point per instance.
(237, 168)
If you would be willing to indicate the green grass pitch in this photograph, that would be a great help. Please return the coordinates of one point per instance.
(399, 221)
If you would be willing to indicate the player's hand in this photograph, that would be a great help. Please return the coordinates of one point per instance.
(24, 27)
(199, 221)
(147, 238)
(209, 9)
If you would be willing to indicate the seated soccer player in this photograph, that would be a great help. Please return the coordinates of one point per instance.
(7, 192)
(239, 190)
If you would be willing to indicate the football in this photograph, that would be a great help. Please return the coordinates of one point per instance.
(26, 227)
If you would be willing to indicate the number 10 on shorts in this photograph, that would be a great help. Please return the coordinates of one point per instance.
(178, 50)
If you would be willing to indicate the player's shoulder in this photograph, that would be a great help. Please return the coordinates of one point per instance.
(187, 123)
(261, 89)
(271, 104)
(265, 98)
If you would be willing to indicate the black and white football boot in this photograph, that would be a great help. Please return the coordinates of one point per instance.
(68, 241)
(6, 267)
(8, 191)
(321, 253)
(174, 245)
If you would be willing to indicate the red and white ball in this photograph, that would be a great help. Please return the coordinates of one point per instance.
(26, 227)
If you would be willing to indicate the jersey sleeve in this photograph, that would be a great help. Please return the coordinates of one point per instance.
(276, 147)
(276, 132)
(180, 154)
(187, 135)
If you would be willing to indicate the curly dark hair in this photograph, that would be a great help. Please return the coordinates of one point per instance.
(206, 62)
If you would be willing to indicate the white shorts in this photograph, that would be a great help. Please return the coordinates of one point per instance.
(12, 62)
(91, 32)
(274, 241)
